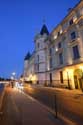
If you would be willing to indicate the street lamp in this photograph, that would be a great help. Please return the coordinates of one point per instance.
(13, 75)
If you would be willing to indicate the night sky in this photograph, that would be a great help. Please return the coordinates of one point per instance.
(20, 20)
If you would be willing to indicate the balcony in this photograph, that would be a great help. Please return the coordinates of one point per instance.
(74, 41)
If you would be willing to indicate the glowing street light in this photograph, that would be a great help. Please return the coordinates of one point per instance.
(13, 73)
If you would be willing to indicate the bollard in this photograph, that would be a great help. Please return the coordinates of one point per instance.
(55, 106)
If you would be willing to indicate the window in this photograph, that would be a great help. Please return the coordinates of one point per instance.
(71, 22)
(38, 45)
(76, 52)
(61, 76)
(50, 51)
(73, 35)
(58, 33)
(38, 58)
(61, 31)
(61, 58)
(50, 62)
(55, 37)
(38, 67)
(59, 45)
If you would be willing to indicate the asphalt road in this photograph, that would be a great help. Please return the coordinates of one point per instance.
(69, 104)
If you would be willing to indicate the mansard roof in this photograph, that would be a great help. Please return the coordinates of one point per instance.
(44, 30)
(27, 57)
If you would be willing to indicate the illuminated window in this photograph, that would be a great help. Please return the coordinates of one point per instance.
(55, 37)
(56, 49)
(61, 31)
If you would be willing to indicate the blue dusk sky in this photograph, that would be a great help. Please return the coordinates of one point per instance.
(20, 20)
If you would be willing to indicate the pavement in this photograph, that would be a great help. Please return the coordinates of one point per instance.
(70, 102)
(21, 109)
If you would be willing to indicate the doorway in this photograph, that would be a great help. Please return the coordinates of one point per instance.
(50, 79)
(78, 79)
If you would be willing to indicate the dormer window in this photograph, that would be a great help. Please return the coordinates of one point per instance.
(71, 21)
(58, 33)
(73, 35)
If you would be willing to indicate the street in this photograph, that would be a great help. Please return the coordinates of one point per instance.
(69, 103)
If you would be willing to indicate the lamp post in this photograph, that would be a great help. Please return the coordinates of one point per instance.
(13, 74)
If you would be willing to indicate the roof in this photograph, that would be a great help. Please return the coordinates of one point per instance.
(27, 57)
(44, 30)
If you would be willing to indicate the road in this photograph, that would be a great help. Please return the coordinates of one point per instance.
(20, 109)
(69, 103)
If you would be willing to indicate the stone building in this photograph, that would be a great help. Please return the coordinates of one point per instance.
(58, 56)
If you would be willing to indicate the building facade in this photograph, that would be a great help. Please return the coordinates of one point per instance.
(66, 49)
(58, 57)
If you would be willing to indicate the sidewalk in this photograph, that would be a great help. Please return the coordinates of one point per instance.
(39, 114)
(73, 99)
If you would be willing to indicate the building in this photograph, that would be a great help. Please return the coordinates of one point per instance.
(66, 50)
(35, 65)
(40, 54)
(29, 68)
(58, 56)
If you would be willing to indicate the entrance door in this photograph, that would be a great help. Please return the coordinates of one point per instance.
(61, 76)
(78, 78)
